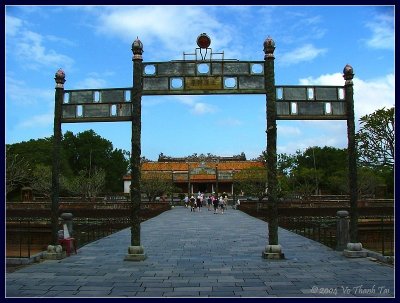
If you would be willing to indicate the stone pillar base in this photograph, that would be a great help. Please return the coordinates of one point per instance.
(354, 250)
(135, 253)
(273, 252)
(54, 252)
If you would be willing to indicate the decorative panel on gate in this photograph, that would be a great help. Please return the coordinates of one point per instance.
(97, 105)
(310, 103)
(203, 77)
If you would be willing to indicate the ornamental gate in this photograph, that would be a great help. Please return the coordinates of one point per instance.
(205, 72)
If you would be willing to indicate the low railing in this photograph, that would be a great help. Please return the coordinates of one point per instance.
(321, 229)
(25, 238)
(375, 233)
(88, 230)
(28, 227)
(375, 225)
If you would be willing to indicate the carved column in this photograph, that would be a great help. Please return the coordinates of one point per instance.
(135, 250)
(354, 248)
(273, 250)
(55, 177)
(54, 250)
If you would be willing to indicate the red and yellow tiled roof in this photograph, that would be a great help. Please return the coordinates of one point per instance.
(179, 166)
(183, 167)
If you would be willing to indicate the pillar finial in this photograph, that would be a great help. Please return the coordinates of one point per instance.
(269, 48)
(137, 49)
(348, 74)
(60, 78)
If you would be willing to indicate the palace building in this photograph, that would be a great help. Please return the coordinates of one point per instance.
(193, 174)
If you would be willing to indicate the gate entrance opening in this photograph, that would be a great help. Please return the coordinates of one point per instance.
(205, 72)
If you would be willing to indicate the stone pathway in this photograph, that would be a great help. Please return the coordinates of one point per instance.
(203, 255)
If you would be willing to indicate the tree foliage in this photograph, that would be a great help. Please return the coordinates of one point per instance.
(326, 169)
(375, 139)
(309, 172)
(17, 171)
(41, 180)
(251, 181)
(87, 150)
(156, 184)
(88, 184)
(85, 156)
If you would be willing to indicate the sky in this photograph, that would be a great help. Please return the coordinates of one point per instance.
(92, 44)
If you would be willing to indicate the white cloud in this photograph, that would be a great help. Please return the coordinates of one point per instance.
(327, 79)
(43, 120)
(373, 94)
(285, 130)
(307, 52)
(164, 27)
(229, 122)
(13, 25)
(56, 39)
(19, 93)
(335, 137)
(187, 100)
(382, 28)
(202, 108)
(92, 82)
(195, 107)
(32, 48)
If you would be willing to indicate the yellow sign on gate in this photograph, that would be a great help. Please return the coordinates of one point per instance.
(214, 82)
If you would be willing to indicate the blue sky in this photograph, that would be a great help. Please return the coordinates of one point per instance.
(92, 44)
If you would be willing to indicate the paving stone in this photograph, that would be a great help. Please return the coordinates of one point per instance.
(200, 263)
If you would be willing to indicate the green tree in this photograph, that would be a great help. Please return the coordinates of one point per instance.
(310, 171)
(17, 171)
(39, 151)
(156, 184)
(41, 181)
(87, 184)
(87, 151)
(375, 139)
(304, 182)
(368, 181)
(252, 182)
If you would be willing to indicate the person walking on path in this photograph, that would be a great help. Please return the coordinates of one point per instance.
(186, 201)
(225, 197)
(221, 204)
(198, 203)
(215, 204)
(209, 202)
(192, 203)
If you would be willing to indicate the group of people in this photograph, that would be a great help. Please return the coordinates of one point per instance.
(212, 201)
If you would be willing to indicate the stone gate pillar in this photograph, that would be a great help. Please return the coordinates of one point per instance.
(273, 250)
(55, 176)
(135, 250)
(354, 248)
